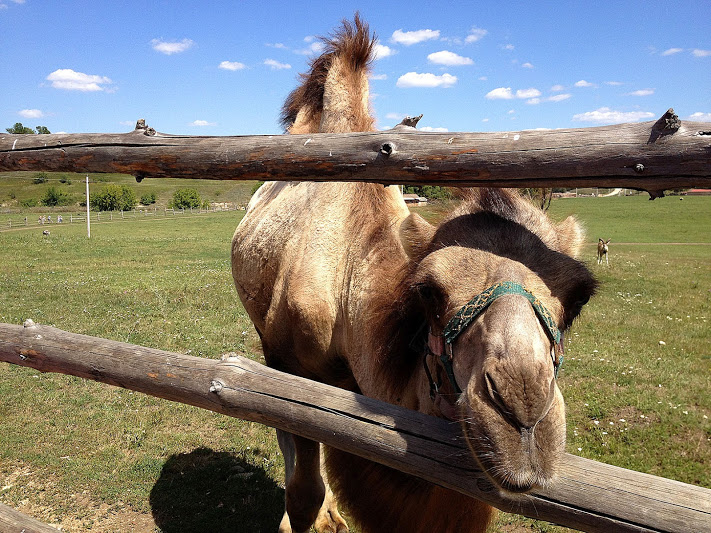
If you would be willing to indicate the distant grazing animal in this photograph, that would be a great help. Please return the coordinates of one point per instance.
(46, 232)
(346, 287)
(602, 251)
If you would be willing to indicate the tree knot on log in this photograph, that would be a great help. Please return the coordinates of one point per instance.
(411, 121)
(141, 126)
(668, 124)
(216, 386)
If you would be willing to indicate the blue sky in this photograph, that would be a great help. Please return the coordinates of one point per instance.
(225, 67)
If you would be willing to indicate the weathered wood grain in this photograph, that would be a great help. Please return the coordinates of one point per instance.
(12, 521)
(587, 495)
(653, 156)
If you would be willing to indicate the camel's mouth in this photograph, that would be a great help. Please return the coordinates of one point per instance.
(516, 459)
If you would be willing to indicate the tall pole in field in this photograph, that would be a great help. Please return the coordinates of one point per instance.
(88, 218)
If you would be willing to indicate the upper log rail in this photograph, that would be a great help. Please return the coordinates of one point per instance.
(586, 495)
(652, 156)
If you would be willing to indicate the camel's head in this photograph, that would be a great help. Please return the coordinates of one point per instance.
(504, 346)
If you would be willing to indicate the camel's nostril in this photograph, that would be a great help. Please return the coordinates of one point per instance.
(494, 394)
(523, 405)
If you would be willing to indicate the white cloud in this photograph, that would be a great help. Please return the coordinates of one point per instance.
(275, 65)
(382, 51)
(528, 93)
(614, 83)
(377, 77)
(475, 34)
(672, 51)
(415, 79)
(70, 80)
(701, 53)
(583, 83)
(31, 113)
(413, 37)
(231, 65)
(508, 47)
(641, 92)
(605, 115)
(394, 116)
(316, 47)
(202, 123)
(555, 98)
(448, 58)
(700, 117)
(500, 93)
(171, 47)
(431, 129)
(557, 88)
(506, 93)
(280, 46)
(559, 97)
(527, 65)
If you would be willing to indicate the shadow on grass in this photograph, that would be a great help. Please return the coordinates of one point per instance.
(215, 491)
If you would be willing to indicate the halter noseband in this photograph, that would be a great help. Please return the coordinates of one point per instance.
(470, 311)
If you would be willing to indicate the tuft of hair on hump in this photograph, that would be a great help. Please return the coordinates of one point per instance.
(352, 41)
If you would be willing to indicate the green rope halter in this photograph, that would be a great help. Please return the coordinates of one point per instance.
(471, 310)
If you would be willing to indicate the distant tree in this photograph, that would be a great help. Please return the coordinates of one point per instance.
(186, 198)
(19, 129)
(431, 192)
(148, 198)
(539, 196)
(40, 177)
(54, 197)
(113, 197)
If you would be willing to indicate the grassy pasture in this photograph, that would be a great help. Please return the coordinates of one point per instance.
(16, 187)
(96, 458)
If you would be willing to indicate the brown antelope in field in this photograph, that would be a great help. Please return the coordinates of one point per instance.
(602, 251)
(460, 320)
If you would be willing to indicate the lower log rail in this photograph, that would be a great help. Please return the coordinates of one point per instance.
(587, 495)
(12, 521)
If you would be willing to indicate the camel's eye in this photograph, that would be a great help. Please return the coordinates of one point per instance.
(430, 296)
(579, 299)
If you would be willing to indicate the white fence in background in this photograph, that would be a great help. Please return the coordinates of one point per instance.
(15, 221)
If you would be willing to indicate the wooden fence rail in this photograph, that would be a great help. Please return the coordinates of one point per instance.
(587, 495)
(653, 156)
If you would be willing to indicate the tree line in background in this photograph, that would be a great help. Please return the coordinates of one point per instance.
(19, 129)
(111, 197)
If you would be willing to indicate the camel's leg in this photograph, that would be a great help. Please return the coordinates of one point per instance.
(286, 444)
(305, 489)
(329, 520)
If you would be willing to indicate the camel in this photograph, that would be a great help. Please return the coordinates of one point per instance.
(460, 320)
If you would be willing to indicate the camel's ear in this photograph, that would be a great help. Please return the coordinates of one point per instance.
(571, 236)
(415, 235)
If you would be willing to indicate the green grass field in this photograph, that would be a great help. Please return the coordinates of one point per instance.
(96, 458)
(18, 187)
